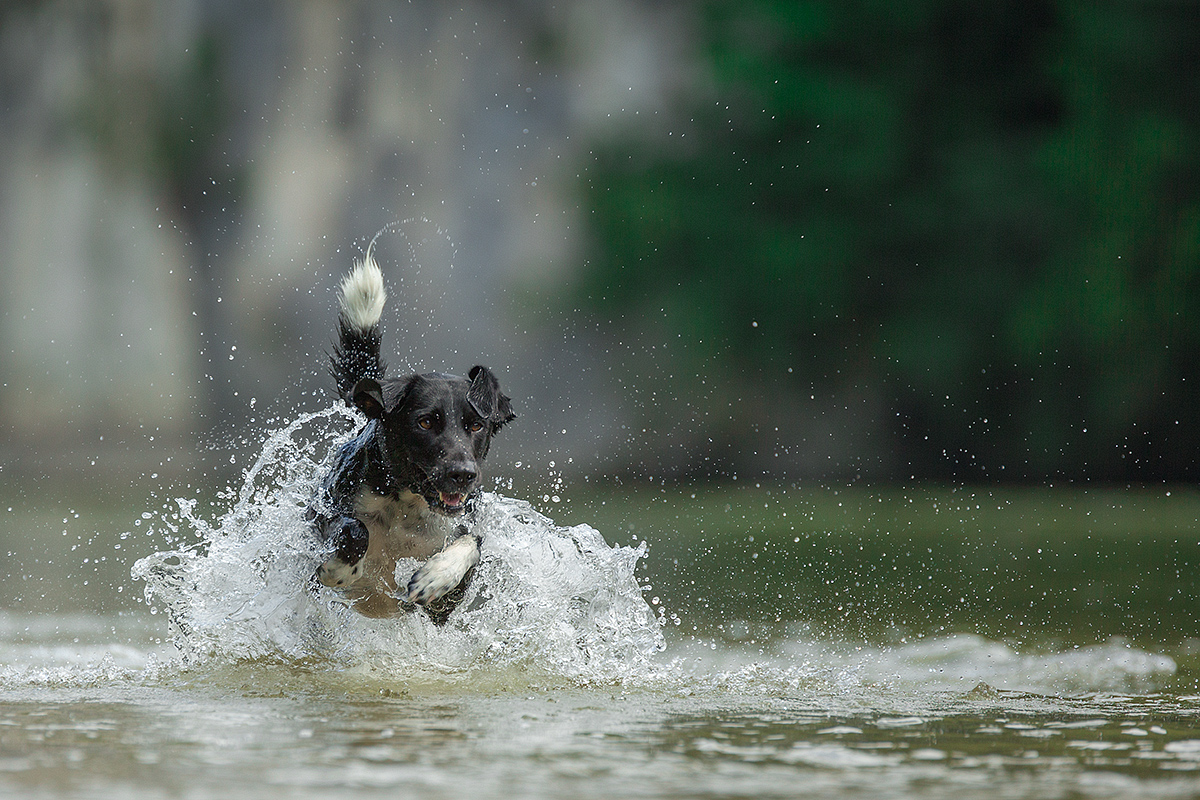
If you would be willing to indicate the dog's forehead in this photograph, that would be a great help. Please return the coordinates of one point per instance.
(438, 390)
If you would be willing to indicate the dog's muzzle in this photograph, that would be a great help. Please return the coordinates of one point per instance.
(453, 489)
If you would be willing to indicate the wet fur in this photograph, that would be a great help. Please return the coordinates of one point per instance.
(404, 486)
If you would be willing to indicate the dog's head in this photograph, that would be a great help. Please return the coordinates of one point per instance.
(437, 429)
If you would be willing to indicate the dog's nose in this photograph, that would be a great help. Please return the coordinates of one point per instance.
(461, 477)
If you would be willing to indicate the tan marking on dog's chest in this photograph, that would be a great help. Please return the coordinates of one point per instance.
(403, 527)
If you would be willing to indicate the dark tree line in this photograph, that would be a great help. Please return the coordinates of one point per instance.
(989, 212)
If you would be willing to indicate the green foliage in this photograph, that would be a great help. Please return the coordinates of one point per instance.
(990, 210)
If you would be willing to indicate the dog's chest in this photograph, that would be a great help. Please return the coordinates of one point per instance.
(399, 527)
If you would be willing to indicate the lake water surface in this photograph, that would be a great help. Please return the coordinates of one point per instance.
(767, 643)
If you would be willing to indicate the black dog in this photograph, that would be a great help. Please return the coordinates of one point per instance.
(398, 489)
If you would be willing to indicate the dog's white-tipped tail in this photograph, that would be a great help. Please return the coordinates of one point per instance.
(363, 294)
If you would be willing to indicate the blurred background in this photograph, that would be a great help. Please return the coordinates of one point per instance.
(795, 241)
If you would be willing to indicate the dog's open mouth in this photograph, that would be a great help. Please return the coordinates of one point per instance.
(451, 502)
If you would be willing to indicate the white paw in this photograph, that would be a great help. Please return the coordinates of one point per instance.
(444, 571)
(337, 574)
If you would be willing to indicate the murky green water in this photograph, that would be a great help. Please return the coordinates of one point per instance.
(826, 643)
(1038, 569)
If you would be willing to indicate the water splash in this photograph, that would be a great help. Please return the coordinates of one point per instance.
(548, 603)
(549, 598)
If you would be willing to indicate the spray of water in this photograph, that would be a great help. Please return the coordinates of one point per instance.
(548, 603)
(553, 599)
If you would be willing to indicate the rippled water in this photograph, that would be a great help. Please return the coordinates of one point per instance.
(561, 676)
(99, 708)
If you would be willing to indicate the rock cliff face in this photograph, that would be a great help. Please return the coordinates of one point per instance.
(185, 181)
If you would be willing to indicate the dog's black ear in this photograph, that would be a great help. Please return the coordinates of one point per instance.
(487, 399)
(367, 397)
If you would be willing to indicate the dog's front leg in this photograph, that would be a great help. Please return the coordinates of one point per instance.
(345, 534)
(349, 538)
(445, 570)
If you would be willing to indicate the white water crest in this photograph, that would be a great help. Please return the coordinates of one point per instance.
(555, 599)
(547, 602)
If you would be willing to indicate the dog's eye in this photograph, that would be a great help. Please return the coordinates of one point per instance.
(425, 423)
(475, 427)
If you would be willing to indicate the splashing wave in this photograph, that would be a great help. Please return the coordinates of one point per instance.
(550, 598)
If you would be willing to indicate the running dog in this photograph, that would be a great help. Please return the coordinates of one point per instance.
(405, 485)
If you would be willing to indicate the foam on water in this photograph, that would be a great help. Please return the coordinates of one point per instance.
(953, 665)
(552, 598)
(548, 601)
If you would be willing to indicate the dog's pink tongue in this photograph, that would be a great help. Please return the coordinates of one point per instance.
(451, 500)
